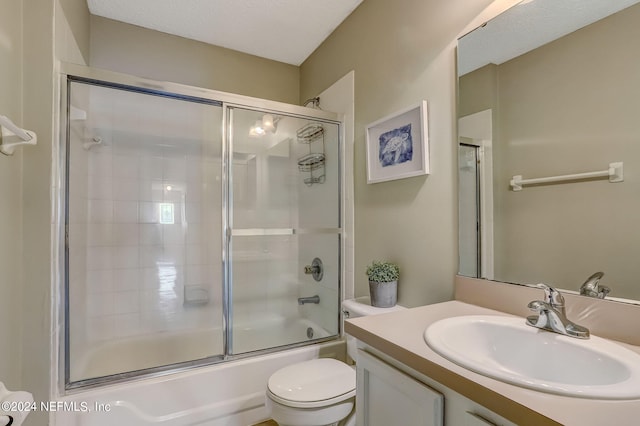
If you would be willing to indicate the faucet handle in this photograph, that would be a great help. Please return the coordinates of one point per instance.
(552, 296)
(541, 308)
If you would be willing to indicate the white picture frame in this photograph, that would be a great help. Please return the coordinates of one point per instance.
(398, 145)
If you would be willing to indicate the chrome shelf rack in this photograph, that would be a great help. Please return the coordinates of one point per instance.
(314, 162)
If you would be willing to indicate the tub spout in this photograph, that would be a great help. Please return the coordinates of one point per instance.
(313, 299)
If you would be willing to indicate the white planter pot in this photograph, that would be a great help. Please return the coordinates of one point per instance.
(383, 295)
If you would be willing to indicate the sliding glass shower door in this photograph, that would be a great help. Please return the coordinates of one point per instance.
(285, 212)
(195, 232)
(144, 262)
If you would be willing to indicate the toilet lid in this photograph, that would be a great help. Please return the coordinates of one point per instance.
(315, 380)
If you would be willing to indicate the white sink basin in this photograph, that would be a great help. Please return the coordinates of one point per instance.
(507, 349)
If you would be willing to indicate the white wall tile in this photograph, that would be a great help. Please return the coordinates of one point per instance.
(194, 171)
(193, 213)
(126, 302)
(173, 191)
(151, 234)
(148, 256)
(100, 163)
(99, 258)
(149, 212)
(195, 255)
(193, 193)
(125, 166)
(100, 187)
(125, 257)
(151, 190)
(78, 235)
(194, 275)
(125, 212)
(175, 168)
(174, 234)
(100, 211)
(100, 304)
(99, 234)
(126, 234)
(194, 233)
(151, 168)
(78, 209)
(126, 279)
(149, 279)
(174, 254)
(126, 189)
(99, 281)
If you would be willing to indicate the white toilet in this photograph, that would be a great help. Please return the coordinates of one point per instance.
(319, 392)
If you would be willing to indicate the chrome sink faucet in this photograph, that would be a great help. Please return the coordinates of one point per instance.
(592, 288)
(552, 316)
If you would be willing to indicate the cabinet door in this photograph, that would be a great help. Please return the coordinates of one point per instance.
(386, 396)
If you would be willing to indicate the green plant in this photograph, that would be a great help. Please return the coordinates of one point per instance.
(383, 272)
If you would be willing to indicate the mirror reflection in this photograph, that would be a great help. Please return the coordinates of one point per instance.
(550, 88)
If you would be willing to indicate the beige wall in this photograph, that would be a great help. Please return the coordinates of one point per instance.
(10, 195)
(27, 85)
(402, 52)
(138, 51)
(577, 112)
(72, 31)
(38, 93)
(478, 90)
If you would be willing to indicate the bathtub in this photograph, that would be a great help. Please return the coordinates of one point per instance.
(166, 348)
(230, 393)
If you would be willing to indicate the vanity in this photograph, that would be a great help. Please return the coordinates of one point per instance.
(394, 359)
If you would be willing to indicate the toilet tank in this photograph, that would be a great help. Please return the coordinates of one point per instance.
(360, 307)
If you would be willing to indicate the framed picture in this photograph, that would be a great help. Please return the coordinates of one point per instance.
(398, 145)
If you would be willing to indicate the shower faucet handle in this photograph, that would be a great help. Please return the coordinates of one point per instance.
(316, 270)
(310, 269)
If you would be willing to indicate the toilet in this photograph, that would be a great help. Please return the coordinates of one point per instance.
(319, 392)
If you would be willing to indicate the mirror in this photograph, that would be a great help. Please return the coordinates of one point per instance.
(551, 88)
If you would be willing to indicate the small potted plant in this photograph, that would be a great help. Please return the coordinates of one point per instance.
(383, 283)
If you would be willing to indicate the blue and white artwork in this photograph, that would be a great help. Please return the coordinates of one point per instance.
(396, 146)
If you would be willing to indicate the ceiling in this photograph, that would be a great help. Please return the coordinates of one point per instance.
(529, 25)
(282, 30)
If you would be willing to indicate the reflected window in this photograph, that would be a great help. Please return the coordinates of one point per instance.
(166, 214)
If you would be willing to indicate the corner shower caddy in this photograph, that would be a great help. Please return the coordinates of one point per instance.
(313, 163)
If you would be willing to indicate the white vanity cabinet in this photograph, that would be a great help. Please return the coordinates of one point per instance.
(386, 396)
(390, 393)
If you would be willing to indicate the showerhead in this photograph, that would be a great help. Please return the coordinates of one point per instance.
(91, 143)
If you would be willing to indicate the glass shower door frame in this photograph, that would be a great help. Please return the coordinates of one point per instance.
(230, 232)
(60, 374)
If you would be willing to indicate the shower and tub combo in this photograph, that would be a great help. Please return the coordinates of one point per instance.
(189, 219)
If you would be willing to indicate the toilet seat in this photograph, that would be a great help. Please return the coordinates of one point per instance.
(311, 384)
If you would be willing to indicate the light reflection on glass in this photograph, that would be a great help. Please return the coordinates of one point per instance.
(167, 277)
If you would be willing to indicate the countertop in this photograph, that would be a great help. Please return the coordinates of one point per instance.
(400, 336)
